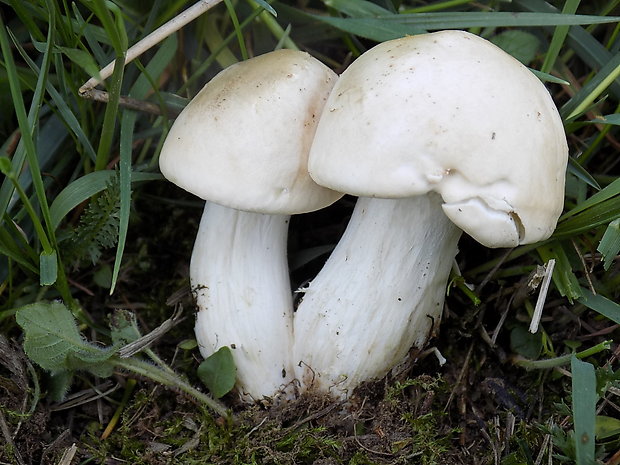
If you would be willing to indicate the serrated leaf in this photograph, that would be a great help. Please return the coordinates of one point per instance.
(98, 227)
(53, 341)
(85, 187)
(218, 372)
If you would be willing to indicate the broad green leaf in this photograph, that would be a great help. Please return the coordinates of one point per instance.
(93, 362)
(606, 427)
(610, 243)
(525, 343)
(584, 410)
(218, 372)
(52, 339)
(520, 44)
(598, 303)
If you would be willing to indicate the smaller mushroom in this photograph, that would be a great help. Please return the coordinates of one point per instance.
(242, 144)
(436, 133)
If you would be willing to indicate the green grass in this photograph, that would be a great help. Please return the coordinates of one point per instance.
(80, 170)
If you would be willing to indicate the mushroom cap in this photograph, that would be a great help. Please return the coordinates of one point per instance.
(452, 113)
(243, 140)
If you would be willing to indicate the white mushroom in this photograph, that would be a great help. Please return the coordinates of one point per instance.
(242, 144)
(451, 133)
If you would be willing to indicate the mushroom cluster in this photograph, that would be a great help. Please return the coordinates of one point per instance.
(436, 133)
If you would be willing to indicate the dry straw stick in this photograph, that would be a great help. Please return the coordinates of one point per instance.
(542, 296)
(155, 37)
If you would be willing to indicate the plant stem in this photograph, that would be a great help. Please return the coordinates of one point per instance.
(167, 378)
(562, 360)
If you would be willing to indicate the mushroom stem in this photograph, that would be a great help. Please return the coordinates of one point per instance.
(239, 276)
(380, 292)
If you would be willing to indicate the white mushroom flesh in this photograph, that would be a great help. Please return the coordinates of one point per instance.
(380, 293)
(239, 264)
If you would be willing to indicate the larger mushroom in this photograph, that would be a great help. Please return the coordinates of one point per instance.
(452, 134)
(242, 144)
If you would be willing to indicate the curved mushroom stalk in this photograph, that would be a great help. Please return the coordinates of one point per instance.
(380, 293)
(239, 276)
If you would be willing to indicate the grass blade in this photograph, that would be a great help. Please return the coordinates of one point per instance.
(598, 303)
(128, 120)
(394, 26)
(582, 100)
(584, 410)
(610, 243)
(63, 108)
(26, 125)
(559, 36)
(563, 277)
